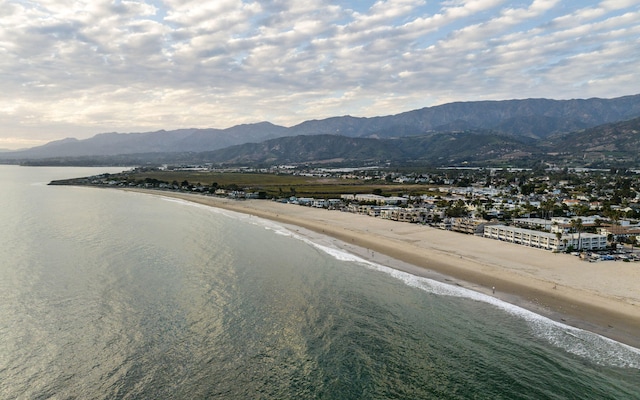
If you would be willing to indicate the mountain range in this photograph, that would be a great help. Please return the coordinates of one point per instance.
(596, 130)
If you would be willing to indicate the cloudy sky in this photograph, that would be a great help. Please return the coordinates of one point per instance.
(74, 68)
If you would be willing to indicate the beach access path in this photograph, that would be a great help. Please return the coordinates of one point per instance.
(602, 297)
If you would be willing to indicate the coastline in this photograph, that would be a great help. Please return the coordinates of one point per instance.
(598, 297)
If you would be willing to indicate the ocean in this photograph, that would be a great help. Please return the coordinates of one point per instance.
(106, 294)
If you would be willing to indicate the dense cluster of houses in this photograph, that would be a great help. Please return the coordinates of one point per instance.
(504, 205)
(592, 233)
(555, 234)
(396, 209)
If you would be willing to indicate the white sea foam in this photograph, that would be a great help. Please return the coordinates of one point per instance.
(248, 218)
(597, 348)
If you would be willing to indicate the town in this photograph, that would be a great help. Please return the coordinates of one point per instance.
(590, 213)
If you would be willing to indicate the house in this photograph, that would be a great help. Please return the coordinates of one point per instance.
(306, 201)
(620, 232)
(333, 203)
(389, 212)
(319, 203)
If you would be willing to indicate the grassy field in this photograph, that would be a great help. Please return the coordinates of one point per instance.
(282, 185)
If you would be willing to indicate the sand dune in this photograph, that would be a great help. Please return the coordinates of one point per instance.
(603, 297)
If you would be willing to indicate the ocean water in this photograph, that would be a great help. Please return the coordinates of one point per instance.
(112, 295)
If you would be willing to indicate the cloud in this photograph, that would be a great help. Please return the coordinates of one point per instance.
(81, 67)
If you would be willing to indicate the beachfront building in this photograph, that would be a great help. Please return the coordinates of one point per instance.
(546, 240)
(472, 226)
(365, 209)
(303, 201)
(585, 241)
(389, 212)
(527, 237)
(418, 215)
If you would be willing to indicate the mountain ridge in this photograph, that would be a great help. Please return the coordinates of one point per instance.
(527, 120)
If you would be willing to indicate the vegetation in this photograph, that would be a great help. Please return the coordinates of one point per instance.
(538, 192)
(271, 184)
(456, 199)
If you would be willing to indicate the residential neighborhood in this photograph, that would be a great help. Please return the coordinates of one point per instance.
(591, 213)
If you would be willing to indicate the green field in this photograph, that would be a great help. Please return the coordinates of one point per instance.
(276, 185)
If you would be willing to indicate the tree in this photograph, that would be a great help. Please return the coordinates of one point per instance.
(213, 187)
(581, 209)
(577, 226)
(527, 188)
(458, 209)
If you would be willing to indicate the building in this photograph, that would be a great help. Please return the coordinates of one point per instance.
(374, 199)
(417, 215)
(534, 223)
(546, 240)
(619, 232)
(389, 212)
(469, 225)
(585, 241)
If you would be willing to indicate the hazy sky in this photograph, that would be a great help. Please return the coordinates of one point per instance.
(74, 68)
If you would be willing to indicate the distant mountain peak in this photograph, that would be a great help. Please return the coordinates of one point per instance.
(527, 119)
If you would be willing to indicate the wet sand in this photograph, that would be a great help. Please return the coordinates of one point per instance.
(602, 297)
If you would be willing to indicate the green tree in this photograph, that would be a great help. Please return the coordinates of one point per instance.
(577, 226)
(458, 209)
(527, 188)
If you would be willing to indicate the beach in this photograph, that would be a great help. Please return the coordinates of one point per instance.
(602, 297)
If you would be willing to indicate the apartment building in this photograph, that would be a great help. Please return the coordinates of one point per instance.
(546, 240)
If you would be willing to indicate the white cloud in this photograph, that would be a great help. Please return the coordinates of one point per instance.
(470, 7)
(83, 67)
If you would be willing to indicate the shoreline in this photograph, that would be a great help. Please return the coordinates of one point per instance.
(597, 297)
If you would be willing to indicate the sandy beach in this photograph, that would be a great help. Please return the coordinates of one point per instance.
(602, 297)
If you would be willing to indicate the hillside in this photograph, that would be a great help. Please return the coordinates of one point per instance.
(524, 120)
(607, 145)
(614, 144)
(436, 149)
(536, 118)
(603, 145)
(181, 140)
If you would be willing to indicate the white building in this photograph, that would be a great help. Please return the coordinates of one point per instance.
(534, 222)
(546, 240)
(586, 220)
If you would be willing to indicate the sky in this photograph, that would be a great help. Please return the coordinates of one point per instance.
(76, 68)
